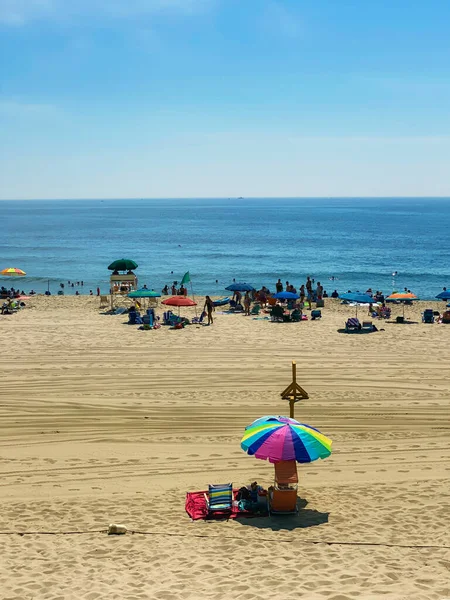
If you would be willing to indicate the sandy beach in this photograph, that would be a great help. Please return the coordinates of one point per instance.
(101, 423)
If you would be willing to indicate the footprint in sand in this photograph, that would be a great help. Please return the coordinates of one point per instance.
(403, 471)
(193, 455)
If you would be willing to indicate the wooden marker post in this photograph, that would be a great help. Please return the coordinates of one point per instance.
(294, 393)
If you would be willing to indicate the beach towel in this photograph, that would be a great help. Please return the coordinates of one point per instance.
(196, 508)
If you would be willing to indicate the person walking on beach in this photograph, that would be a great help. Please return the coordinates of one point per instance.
(209, 307)
(247, 304)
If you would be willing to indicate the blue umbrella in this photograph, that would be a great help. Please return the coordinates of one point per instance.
(444, 295)
(357, 297)
(286, 296)
(240, 287)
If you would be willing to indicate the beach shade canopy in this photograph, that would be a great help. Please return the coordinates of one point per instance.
(143, 293)
(286, 296)
(124, 264)
(179, 301)
(402, 296)
(13, 272)
(240, 287)
(357, 297)
(285, 439)
(445, 295)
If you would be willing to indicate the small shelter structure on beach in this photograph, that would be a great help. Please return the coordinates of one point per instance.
(121, 284)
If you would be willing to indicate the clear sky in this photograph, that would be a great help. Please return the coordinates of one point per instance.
(206, 98)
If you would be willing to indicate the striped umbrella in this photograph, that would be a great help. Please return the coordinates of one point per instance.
(270, 419)
(12, 272)
(285, 439)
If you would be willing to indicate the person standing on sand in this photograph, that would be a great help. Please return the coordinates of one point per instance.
(302, 294)
(319, 291)
(279, 286)
(209, 307)
(309, 290)
(247, 304)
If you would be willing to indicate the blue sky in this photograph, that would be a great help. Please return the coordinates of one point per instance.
(206, 98)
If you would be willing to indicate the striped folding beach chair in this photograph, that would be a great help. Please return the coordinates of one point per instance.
(219, 497)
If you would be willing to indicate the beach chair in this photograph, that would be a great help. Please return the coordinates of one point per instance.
(296, 315)
(316, 314)
(352, 326)
(168, 318)
(367, 326)
(219, 498)
(256, 309)
(104, 302)
(198, 320)
(282, 499)
(428, 316)
(277, 314)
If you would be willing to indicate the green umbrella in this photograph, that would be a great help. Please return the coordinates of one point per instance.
(143, 293)
(124, 264)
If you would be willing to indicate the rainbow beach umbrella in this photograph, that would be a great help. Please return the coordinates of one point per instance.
(285, 439)
(12, 272)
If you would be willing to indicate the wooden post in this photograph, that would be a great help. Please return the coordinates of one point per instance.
(294, 392)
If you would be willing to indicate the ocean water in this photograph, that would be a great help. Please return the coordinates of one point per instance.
(358, 242)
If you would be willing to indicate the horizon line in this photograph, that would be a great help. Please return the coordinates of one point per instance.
(103, 198)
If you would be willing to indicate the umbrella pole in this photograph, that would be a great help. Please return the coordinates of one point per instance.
(193, 298)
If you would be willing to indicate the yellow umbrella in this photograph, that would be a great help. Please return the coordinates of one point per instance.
(12, 272)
